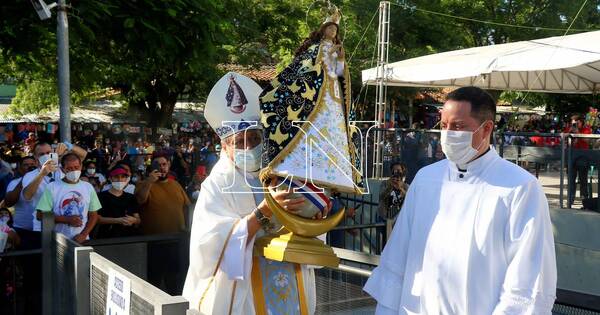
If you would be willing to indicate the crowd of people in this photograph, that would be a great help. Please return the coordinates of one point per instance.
(106, 189)
(546, 124)
(97, 189)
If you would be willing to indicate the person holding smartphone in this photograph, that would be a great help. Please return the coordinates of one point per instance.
(162, 200)
(163, 203)
(393, 192)
(35, 182)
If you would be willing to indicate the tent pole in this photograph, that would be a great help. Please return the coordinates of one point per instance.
(381, 89)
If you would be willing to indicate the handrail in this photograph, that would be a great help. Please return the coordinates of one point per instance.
(21, 252)
(354, 270)
(584, 136)
(358, 257)
(136, 239)
(359, 226)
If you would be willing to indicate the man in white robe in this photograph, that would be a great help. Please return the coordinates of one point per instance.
(226, 218)
(474, 235)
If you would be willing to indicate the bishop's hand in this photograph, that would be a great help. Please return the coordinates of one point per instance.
(292, 205)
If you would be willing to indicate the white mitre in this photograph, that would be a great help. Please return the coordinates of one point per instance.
(232, 105)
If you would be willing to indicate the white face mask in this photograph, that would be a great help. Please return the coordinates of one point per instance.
(73, 176)
(13, 165)
(248, 160)
(91, 171)
(134, 179)
(120, 185)
(457, 146)
(43, 159)
(4, 220)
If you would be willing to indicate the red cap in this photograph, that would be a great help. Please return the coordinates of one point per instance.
(118, 171)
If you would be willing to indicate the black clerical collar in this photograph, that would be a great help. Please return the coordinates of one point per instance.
(477, 158)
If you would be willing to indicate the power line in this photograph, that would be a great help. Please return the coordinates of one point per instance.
(364, 33)
(555, 49)
(537, 28)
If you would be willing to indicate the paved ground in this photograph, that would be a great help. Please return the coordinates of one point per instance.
(550, 180)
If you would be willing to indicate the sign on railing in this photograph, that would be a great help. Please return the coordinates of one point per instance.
(143, 297)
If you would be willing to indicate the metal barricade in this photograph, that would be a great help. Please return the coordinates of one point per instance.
(145, 298)
(415, 148)
(19, 281)
(366, 231)
(71, 285)
(134, 253)
(565, 157)
(340, 289)
(583, 163)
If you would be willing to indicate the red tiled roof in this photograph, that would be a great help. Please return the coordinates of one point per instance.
(437, 95)
(260, 73)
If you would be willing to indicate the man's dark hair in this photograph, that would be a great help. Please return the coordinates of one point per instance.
(396, 163)
(160, 155)
(483, 106)
(88, 162)
(69, 157)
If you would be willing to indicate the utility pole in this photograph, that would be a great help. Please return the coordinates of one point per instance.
(381, 87)
(64, 89)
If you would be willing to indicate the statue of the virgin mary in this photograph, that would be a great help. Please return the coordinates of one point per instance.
(314, 91)
(309, 144)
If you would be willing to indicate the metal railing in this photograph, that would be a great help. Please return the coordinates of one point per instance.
(145, 298)
(562, 152)
(340, 289)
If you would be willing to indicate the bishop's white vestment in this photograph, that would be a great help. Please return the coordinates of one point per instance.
(221, 278)
(469, 242)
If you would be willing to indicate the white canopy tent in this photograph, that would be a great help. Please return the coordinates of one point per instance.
(562, 64)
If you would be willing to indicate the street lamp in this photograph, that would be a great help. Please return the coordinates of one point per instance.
(62, 47)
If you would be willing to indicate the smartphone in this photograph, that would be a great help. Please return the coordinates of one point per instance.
(54, 157)
(155, 166)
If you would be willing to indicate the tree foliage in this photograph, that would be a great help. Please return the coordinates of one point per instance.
(156, 52)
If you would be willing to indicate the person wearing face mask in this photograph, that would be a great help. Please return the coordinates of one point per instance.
(163, 207)
(231, 212)
(471, 223)
(6, 226)
(393, 192)
(95, 178)
(130, 187)
(22, 220)
(73, 202)
(119, 214)
(163, 201)
(581, 165)
(35, 182)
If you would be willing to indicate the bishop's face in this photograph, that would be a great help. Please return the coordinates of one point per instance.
(245, 140)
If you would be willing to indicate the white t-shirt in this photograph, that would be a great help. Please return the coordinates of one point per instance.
(28, 206)
(22, 217)
(66, 199)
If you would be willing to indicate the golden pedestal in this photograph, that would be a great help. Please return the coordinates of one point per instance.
(301, 245)
(298, 249)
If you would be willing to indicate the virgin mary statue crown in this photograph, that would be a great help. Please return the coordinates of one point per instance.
(334, 16)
